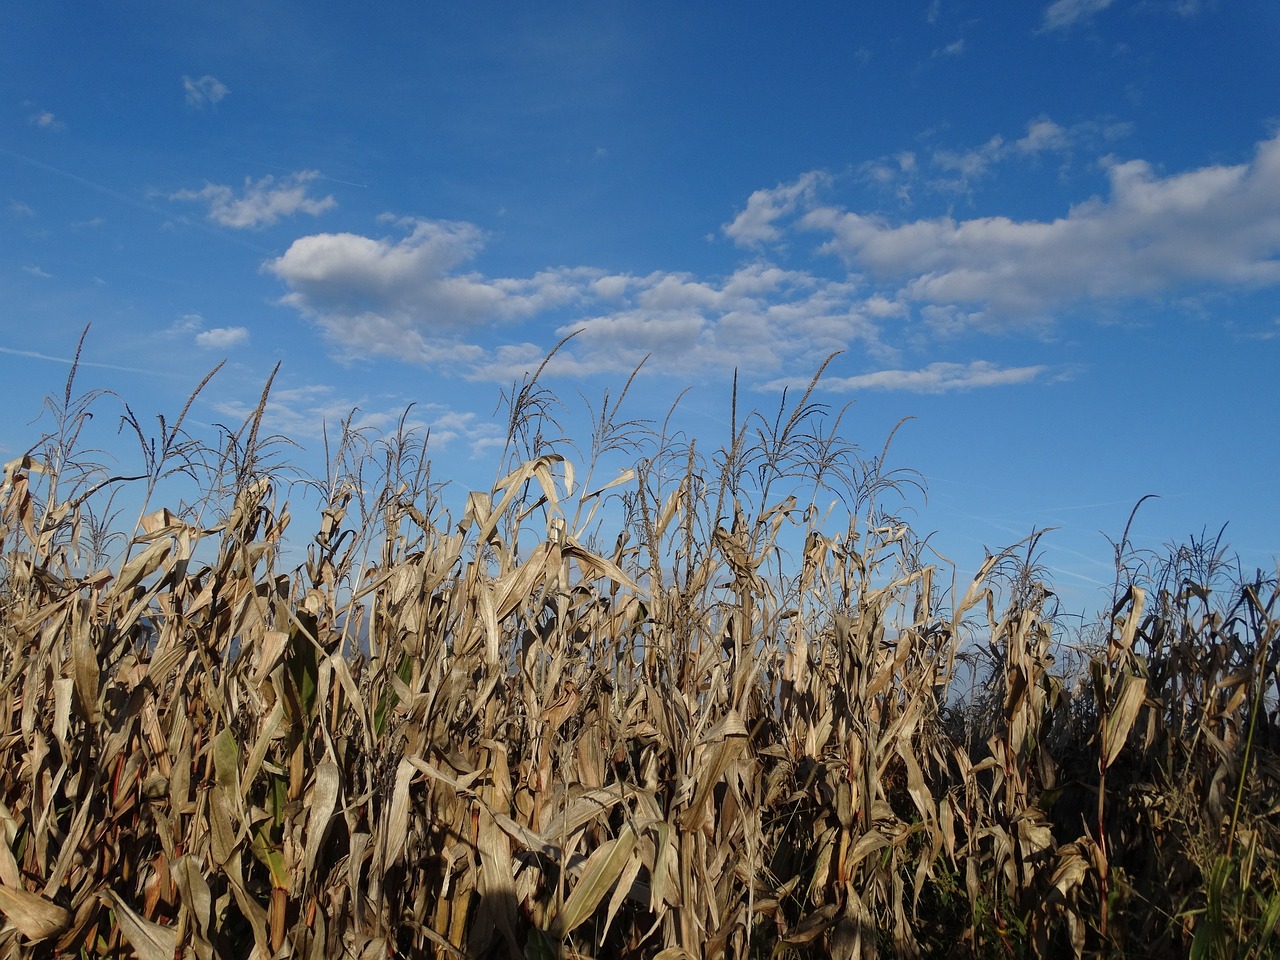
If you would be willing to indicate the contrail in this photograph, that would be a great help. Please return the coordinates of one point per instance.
(76, 178)
(133, 201)
(68, 361)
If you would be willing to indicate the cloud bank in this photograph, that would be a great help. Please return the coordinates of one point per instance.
(1152, 235)
(817, 276)
(409, 297)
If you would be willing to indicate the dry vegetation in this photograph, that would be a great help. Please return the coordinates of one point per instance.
(688, 711)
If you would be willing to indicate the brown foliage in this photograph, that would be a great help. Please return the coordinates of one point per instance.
(735, 732)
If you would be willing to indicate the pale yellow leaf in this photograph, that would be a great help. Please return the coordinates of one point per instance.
(324, 796)
(603, 868)
(1133, 690)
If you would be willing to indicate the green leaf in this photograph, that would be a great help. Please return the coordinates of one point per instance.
(266, 853)
(304, 669)
(389, 699)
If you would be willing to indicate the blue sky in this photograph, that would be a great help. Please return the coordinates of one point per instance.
(1049, 232)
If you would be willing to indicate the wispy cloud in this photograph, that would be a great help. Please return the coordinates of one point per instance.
(935, 378)
(206, 91)
(310, 411)
(186, 325)
(261, 202)
(950, 169)
(32, 270)
(966, 166)
(1064, 13)
(46, 121)
(1271, 332)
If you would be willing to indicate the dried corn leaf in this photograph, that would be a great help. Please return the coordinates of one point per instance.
(36, 918)
(602, 871)
(626, 888)
(197, 900)
(150, 941)
(395, 829)
(1115, 731)
(813, 926)
(324, 795)
(142, 566)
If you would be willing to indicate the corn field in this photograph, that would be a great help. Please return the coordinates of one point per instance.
(718, 704)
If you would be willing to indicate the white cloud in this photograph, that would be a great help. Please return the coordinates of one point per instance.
(35, 271)
(191, 325)
(1153, 234)
(935, 378)
(262, 202)
(953, 49)
(402, 297)
(755, 225)
(19, 209)
(610, 288)
(878, 306)
(1063, 13)
(206, 91)
(222, 338)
